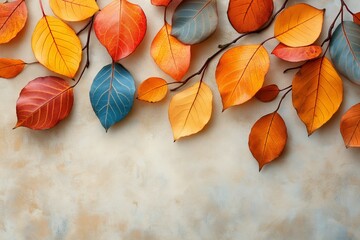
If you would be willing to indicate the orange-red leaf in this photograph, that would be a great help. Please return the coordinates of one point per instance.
(10, 68)
(350, 126)
(297, 54)
(44, 102)
(268, 93)
(13, 16)
(317, 93)
(120, 27)
(171, 55)
(160, 2)
(249, 15)
(268, 138)
(152, 90)
(240, 73)
(356, 18)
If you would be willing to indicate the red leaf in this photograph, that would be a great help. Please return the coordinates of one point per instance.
(160, 2)
(297, 54)
(268, 93)
(10, 68)
(44, 102)
(356, 18)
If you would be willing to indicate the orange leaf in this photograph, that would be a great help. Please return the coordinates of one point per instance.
(190, 110)
(120, 27)
(160, 2)
(297, 54)
(172, 56)
(299, 25)
(268, 93)
(268, 138)
(152, 90)
(74, 10)
(10, 68)
(44, 102)
(317, 93)
(240, 73)
(249, 15)
(356, 18)
(13, 16)
(350, 126)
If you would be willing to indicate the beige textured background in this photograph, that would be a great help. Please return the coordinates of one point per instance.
(78, 182)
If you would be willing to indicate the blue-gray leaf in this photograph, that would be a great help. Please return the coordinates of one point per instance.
(345, 50)
(194, 21)
(112, 94)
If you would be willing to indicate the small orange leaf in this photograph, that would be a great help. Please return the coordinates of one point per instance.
(356, 18)
(350, 126)
(152, 90)
(297, 54)
(160, 2)
(13, 16)
(299, 25)
(249, 15)
(74, 10)
(268, 93)
(190, 110)
(10, 68)
(240, 73)
(268, 138)
(317, 93)
(172, 56)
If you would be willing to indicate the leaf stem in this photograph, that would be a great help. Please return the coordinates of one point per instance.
(282, 98)
(42, 8)
(294, 68)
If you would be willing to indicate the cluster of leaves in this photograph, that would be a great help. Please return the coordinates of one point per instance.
(317, 90)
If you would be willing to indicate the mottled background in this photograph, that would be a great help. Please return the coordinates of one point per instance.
(78, 182)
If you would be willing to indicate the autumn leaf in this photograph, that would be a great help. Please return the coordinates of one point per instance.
(172, 56)
(268, 93)
(56, 46)
(10, 68)
(249, 15)
(160, 2)
(240, 73)
(299, 25)
(13, 16)
(152, 90)
(297, 54)
(190, 110)
(317, 93)
(74, 10)
(120, 27)
(44, 102)
(350, 126)
(268, 138)
(356, 18)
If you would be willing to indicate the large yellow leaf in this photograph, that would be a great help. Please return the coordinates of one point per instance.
(299, 25)
(190, 110)
(74, 10)
(56, 46)
(317, 93)
(240, 73)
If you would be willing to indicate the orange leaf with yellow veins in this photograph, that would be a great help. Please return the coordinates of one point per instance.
(10, 68)
(350, 126)
(13, 16)
(152, 90)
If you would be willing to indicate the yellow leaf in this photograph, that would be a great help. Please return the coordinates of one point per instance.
(152, 90)
(190, 110)
(74, 10)
(56, 46)
(240, 73)
(317, 93)
(299, 25)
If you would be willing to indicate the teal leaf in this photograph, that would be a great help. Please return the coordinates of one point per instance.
(194, 21)
(345, 50)
(112, 94)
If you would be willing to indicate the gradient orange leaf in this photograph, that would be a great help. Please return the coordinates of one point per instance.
(152, 90)
(160, 2)
(120, 27)
(10, 68)
(249, 15)
(74, 10)
(240, 73)
(190, 110)
(268, 93)
(350, 126)
(356, 18)
(317, 93)
(171, 55)
(297, 54)
(56, 46)
(299, 25)
(13, 16)
(44, 102)
(267, 138)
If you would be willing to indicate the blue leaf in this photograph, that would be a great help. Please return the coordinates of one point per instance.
(194, 21)
(112, 94)
(345, 50)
